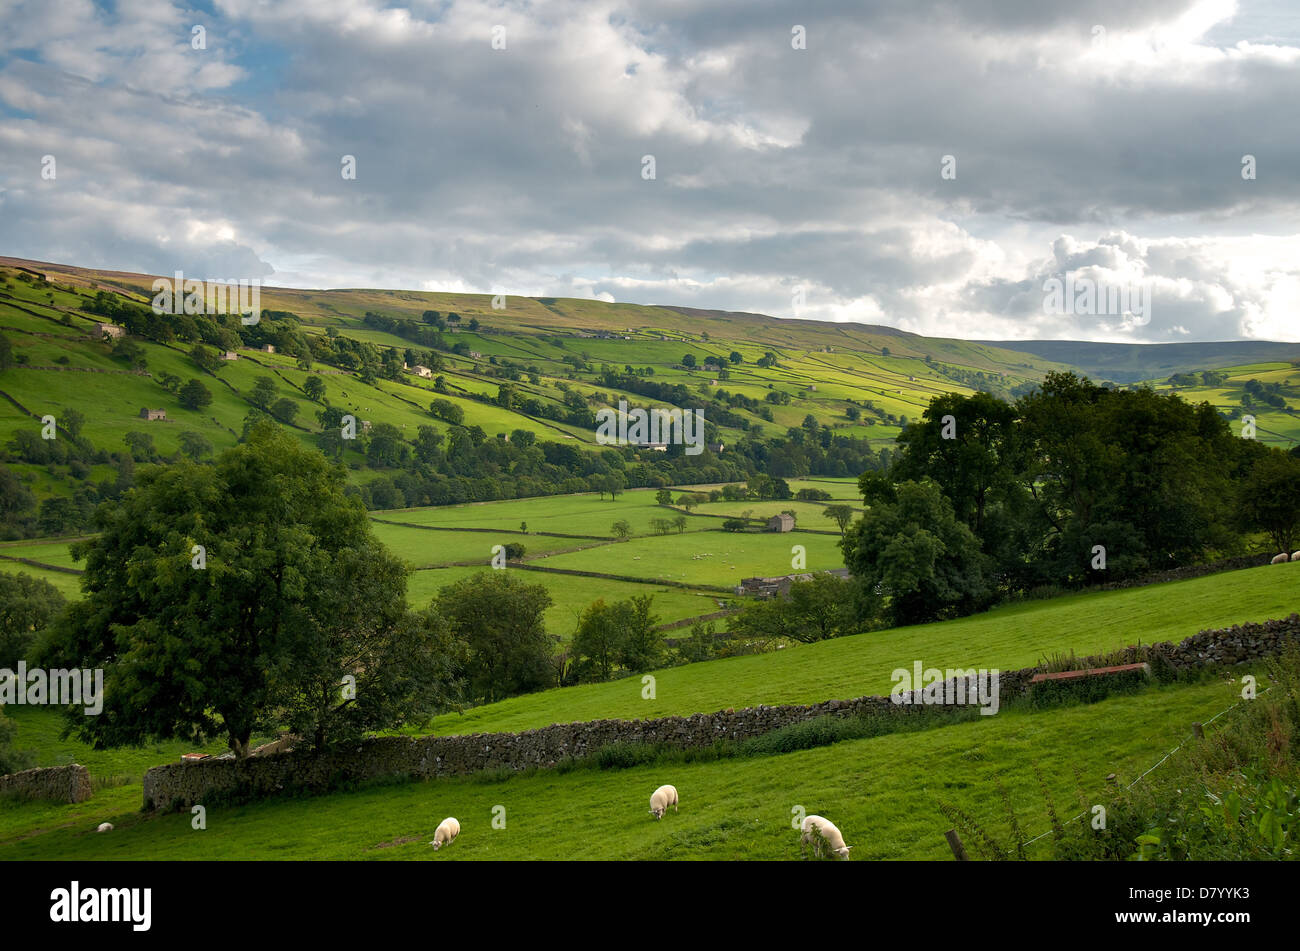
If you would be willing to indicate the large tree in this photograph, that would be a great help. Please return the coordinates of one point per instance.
(1268, 500)
(27, 606)
(261, 627)
(500, 619)
(916, 553)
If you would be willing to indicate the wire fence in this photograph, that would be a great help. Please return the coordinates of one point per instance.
(1158, 763)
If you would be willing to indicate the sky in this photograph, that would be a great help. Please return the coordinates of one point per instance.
(928, 166)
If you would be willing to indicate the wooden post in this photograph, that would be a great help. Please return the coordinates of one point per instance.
(1198, 731)
(954, 843)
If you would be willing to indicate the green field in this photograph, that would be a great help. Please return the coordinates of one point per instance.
(1009, 637)
(713, 558)
(883, 793)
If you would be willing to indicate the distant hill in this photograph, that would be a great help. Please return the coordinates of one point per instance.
(1133, 362)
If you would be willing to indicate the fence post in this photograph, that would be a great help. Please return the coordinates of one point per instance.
(954, 843)
(1198, 730)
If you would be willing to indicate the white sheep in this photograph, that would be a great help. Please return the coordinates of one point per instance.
(1280, 559)
(661, 799)
(1295, 556)
(446, 833)
(816, 829)
(105, 827)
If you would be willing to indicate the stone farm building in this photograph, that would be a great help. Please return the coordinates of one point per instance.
(146, 413)
(780, 523)
(423, 372)
(109, 330)
(779, 586)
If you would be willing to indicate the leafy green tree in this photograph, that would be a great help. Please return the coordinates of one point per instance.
(204, 358)
(16, 505)
(968, 445)
(1268, 500)
(595, 643)
(314, 388)
(284, 409)
(447, 411)
(195, 445)
(688, 360)
(71, 422)
(294, 594)
(664, 496)
(735, 357)
(385, 448)
(428, 439)
(12, 760)
(842, 514)
(263, 393)
(194, 395)
(927, 562)
(641, 647)
(621, 529)
(501, 621)
(141, 446)
(619, 636)
(823, 607)
(131, 352)
(700, 645)
(27, 606)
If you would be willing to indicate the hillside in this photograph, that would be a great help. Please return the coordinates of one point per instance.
(884, 793)
(1133, 362)
(1008, 637)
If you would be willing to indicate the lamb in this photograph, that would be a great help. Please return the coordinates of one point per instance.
(446, 833)
(105, 827)
(662, 798)
(1280, 559)
(816, 829)
(1295, 556)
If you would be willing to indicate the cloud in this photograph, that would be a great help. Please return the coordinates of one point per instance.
(520, 169)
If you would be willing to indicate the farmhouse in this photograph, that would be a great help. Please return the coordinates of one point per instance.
(476, 355)
(779, 585)
(108, 330)
(146, 413)
(230, 355)
(780, 523)
(423, 372)
(268, 348)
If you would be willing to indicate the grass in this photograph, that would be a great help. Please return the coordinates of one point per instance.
(1009, 637)
(715, 558)
(883, 792)
(571, 595)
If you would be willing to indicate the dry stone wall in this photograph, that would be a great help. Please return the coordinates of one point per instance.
(59, 783)
(181, 785)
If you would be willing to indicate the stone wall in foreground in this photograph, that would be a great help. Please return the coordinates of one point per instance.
(180, 785)
(59, 783)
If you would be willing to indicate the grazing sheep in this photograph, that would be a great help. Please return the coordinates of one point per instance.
(1280, 559)
(446, 833)
(1295, 556)
(105, 827)
(662, 798)
(816, 829)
